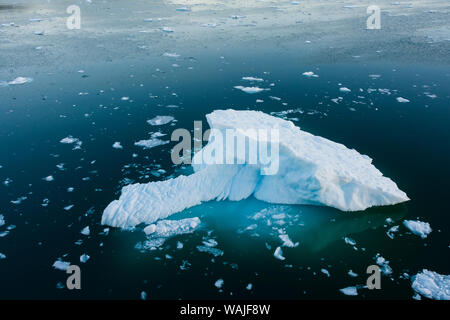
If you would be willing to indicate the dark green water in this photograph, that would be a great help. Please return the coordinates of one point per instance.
(409, 143)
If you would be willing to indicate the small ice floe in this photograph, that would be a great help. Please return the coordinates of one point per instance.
(19, 200)
(384, 264)
(183, 9)
(2, 220)
(72, 140)
(259, 101)
(325, 272)
(249, 286)
(150, 143)
(158, 233)
(344, 89)
(350, 291)
(167, 29)
(287, 242)
(171, 55)
(39, 33)
(402, 100)
(252, 79)
(125, 98)
(117, 145)
(391, 231)
(48, 179)
(185, 265)
(250, 90)
(2, 256)
(160, 120)
(20, 80)
(213, 251)
(86, 231)
(67, 208)
(349, 241)
(84, 258)
(279, 254)
(61, 265)
(219, 283)
(170, 228)
(352, 274)
(432, 285)
(310, 74)
(419, 228)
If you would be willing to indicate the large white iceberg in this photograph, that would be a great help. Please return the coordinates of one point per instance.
(311, 170)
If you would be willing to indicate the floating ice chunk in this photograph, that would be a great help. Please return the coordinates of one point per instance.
(311, 170)
(250, 90)
(419, 228)
(214, 251)
(349, 241)
(84, 258)
(402, 100)
(2, 220)
(183, 9)
(352, 274)
(219, 283)
(252, 79)
(71, 140)
(48, 179)
(310, 74)
(325, 272)
(143, 295)
(287, 242)
(117, 145)
(384, 264)
(279, 254)
(160, 120)
(61, 265)
(344, 89)
(170, 228)
(167, 29)
(158, 233)
(150, 143)
(249, 286)
(349, 291)
(391, 231)
(171, 55)
(432, 285)
(67, 208)
(86, 231)
(20, 80)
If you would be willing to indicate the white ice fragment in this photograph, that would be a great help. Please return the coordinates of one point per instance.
(287, 242)
(250, 90)
(219, 283)
(2, 220)
(48, 178)
(150, 143)
(171, 55)
(311, 170)
(20, 80)
(326, 272)
(86, 231)
(384, 264)
(252, 79)
(279, 254)
(2, 256)
(349, 291)
(432, 285)
(419, 228)
(402, 100)
(61, 265)
(84, 258)
(249, 286)
(352, 274)
(170, 228)
(117, 145)
(160, 120)
(143, 295)
(344, 89)
(310, 74)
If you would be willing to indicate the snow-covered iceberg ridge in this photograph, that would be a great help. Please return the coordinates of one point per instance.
(312, 170)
